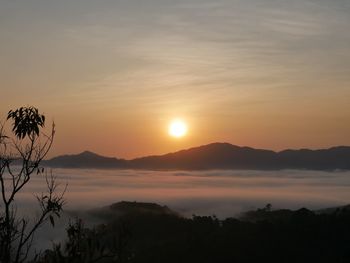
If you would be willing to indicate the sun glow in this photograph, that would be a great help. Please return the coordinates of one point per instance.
(177, 128)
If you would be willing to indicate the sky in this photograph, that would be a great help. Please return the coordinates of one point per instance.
(269, 74)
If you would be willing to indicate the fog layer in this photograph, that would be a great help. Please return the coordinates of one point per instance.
(224, 193)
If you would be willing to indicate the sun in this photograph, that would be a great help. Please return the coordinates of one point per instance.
(177, 128)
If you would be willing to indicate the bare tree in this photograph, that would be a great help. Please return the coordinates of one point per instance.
(21, 152)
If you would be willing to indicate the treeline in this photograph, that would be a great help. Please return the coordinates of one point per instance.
(263, 235)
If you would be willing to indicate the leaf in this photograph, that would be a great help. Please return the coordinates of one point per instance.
(26, 121)
(36, 130)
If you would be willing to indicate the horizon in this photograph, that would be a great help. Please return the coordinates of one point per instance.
(115, 75)
(232, 113)
(194, 147)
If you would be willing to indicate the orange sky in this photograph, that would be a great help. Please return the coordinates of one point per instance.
(113, 74)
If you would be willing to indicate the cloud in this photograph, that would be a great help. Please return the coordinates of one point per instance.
(243, 65)
(223, 193)
(208, 192)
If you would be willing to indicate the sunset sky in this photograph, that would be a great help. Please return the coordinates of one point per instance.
(112, 74)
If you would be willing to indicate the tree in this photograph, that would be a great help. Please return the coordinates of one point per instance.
(86, 245)
(21, 152)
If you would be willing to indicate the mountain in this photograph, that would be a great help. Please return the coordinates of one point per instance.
(85, 160)
(123, 208)
(218, 156)
(211, 156)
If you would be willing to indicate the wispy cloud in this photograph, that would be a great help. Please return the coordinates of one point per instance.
(226, 59)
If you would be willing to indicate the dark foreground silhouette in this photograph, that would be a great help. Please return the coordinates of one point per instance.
(217, 156)
(139, 232)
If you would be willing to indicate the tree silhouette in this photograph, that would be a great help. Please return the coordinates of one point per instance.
(21, 153)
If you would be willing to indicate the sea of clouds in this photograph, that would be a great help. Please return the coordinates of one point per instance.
(223, 193)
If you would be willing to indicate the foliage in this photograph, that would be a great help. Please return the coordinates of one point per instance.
(20, 158)
(274, 236)
(26, 121)
(87, 245)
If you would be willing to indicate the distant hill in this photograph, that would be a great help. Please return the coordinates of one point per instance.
(130, 208)
(217, 156)
(85, 160)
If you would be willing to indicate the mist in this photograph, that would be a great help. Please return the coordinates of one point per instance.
(223, 193)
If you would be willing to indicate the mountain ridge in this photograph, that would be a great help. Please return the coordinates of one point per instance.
(216, 156)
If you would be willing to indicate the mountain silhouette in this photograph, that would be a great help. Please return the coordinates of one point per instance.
(130, 208)
(85, 159)
(217, 156)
